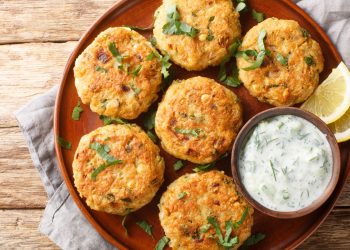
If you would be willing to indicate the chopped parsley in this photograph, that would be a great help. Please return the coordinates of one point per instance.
(210, 36)
(152, 136)
(309, 60)
(136, 71)
(178, 165)
(76, 112)
(100, 69)
(118, 57)
(174, 26)
(237, 224)
(138, 28)
(204, 167)
(261, 55)
(258, 16)
(193, 132)
(63, 143)
(162, 243)
(145, 226)
(252, 240)
(230, 80)
(149, 120)
(281, 59)
(103, 152)
(305, 32)
(164, 61)
(227, 241)
(153, 41)
(181, 195)
(110, 120)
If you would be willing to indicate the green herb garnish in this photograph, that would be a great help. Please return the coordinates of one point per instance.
(152, 136)
(193, 132)
(76, 112)
(178, 165)
(128, 211)
(118, 57)
(281, 59)
(226, 242)
(210, 36)
(230, 80)
(237, 224)
(100, 69)
(305, 32)
(203, 229)
(138, 28)
(309, 60)
(162, 243)
(181, 195)
(135, 89)
(285, 194)
(204, 167)
(252, 240)
(149, 119)
(109, 120)
(102, 150)
(153, 41)
(146, 227)
(174, 26)
(273, 170)
(258, 16)
(136, 71)
(103, 167)
(63, 143)
(164, 61)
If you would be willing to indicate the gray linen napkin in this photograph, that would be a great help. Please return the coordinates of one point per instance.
(62, 221)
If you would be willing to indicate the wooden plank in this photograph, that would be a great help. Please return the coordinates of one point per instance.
(20, 185)
(19, 230)
(28, 70)
(333, 234)
(48, 20)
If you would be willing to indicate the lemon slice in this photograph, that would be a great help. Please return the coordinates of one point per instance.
(331, 99)
(341, 127)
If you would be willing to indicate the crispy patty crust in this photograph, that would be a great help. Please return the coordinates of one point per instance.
(128, 184)
(198, 119)
(291, 73)
(191, 199)
(115, 77)
(218, 27)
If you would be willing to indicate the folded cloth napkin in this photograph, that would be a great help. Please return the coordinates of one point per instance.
(62, 221)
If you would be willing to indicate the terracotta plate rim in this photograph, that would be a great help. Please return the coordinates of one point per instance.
(58, 151)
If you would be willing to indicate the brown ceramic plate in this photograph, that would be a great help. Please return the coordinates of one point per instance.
(280, 234)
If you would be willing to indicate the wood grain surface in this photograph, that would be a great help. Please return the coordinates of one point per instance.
(36, 38)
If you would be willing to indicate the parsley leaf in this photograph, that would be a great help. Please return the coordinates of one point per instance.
(100, 69)
(230, 80)
(138, 28)
(76, 112)
(204, 167)
(174, 26)
(252, 240)
(226, 242)
(178, 165)
(153, 41)
(210, 36)
(152, 136)
(181, 195)
(63, 143)
(162, 243)
(103, 167)
(258, 16)
(109, 120)
(145, 226)
(309, 60)
(136, 71)
(118, 57)
(281, 59)
(149, 119)
(237, 224)
(193, 132)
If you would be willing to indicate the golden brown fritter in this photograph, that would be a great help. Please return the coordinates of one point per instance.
(218, 25)
(191, 199)
(198, 119)
(117, 169)
(114, 76)
(273, 82)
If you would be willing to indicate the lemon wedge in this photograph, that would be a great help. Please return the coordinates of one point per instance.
(331, 99)
(341, 127)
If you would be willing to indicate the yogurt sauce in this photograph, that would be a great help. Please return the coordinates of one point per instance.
(286, 163)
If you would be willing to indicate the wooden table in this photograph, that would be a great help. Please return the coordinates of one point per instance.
(36, 38)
